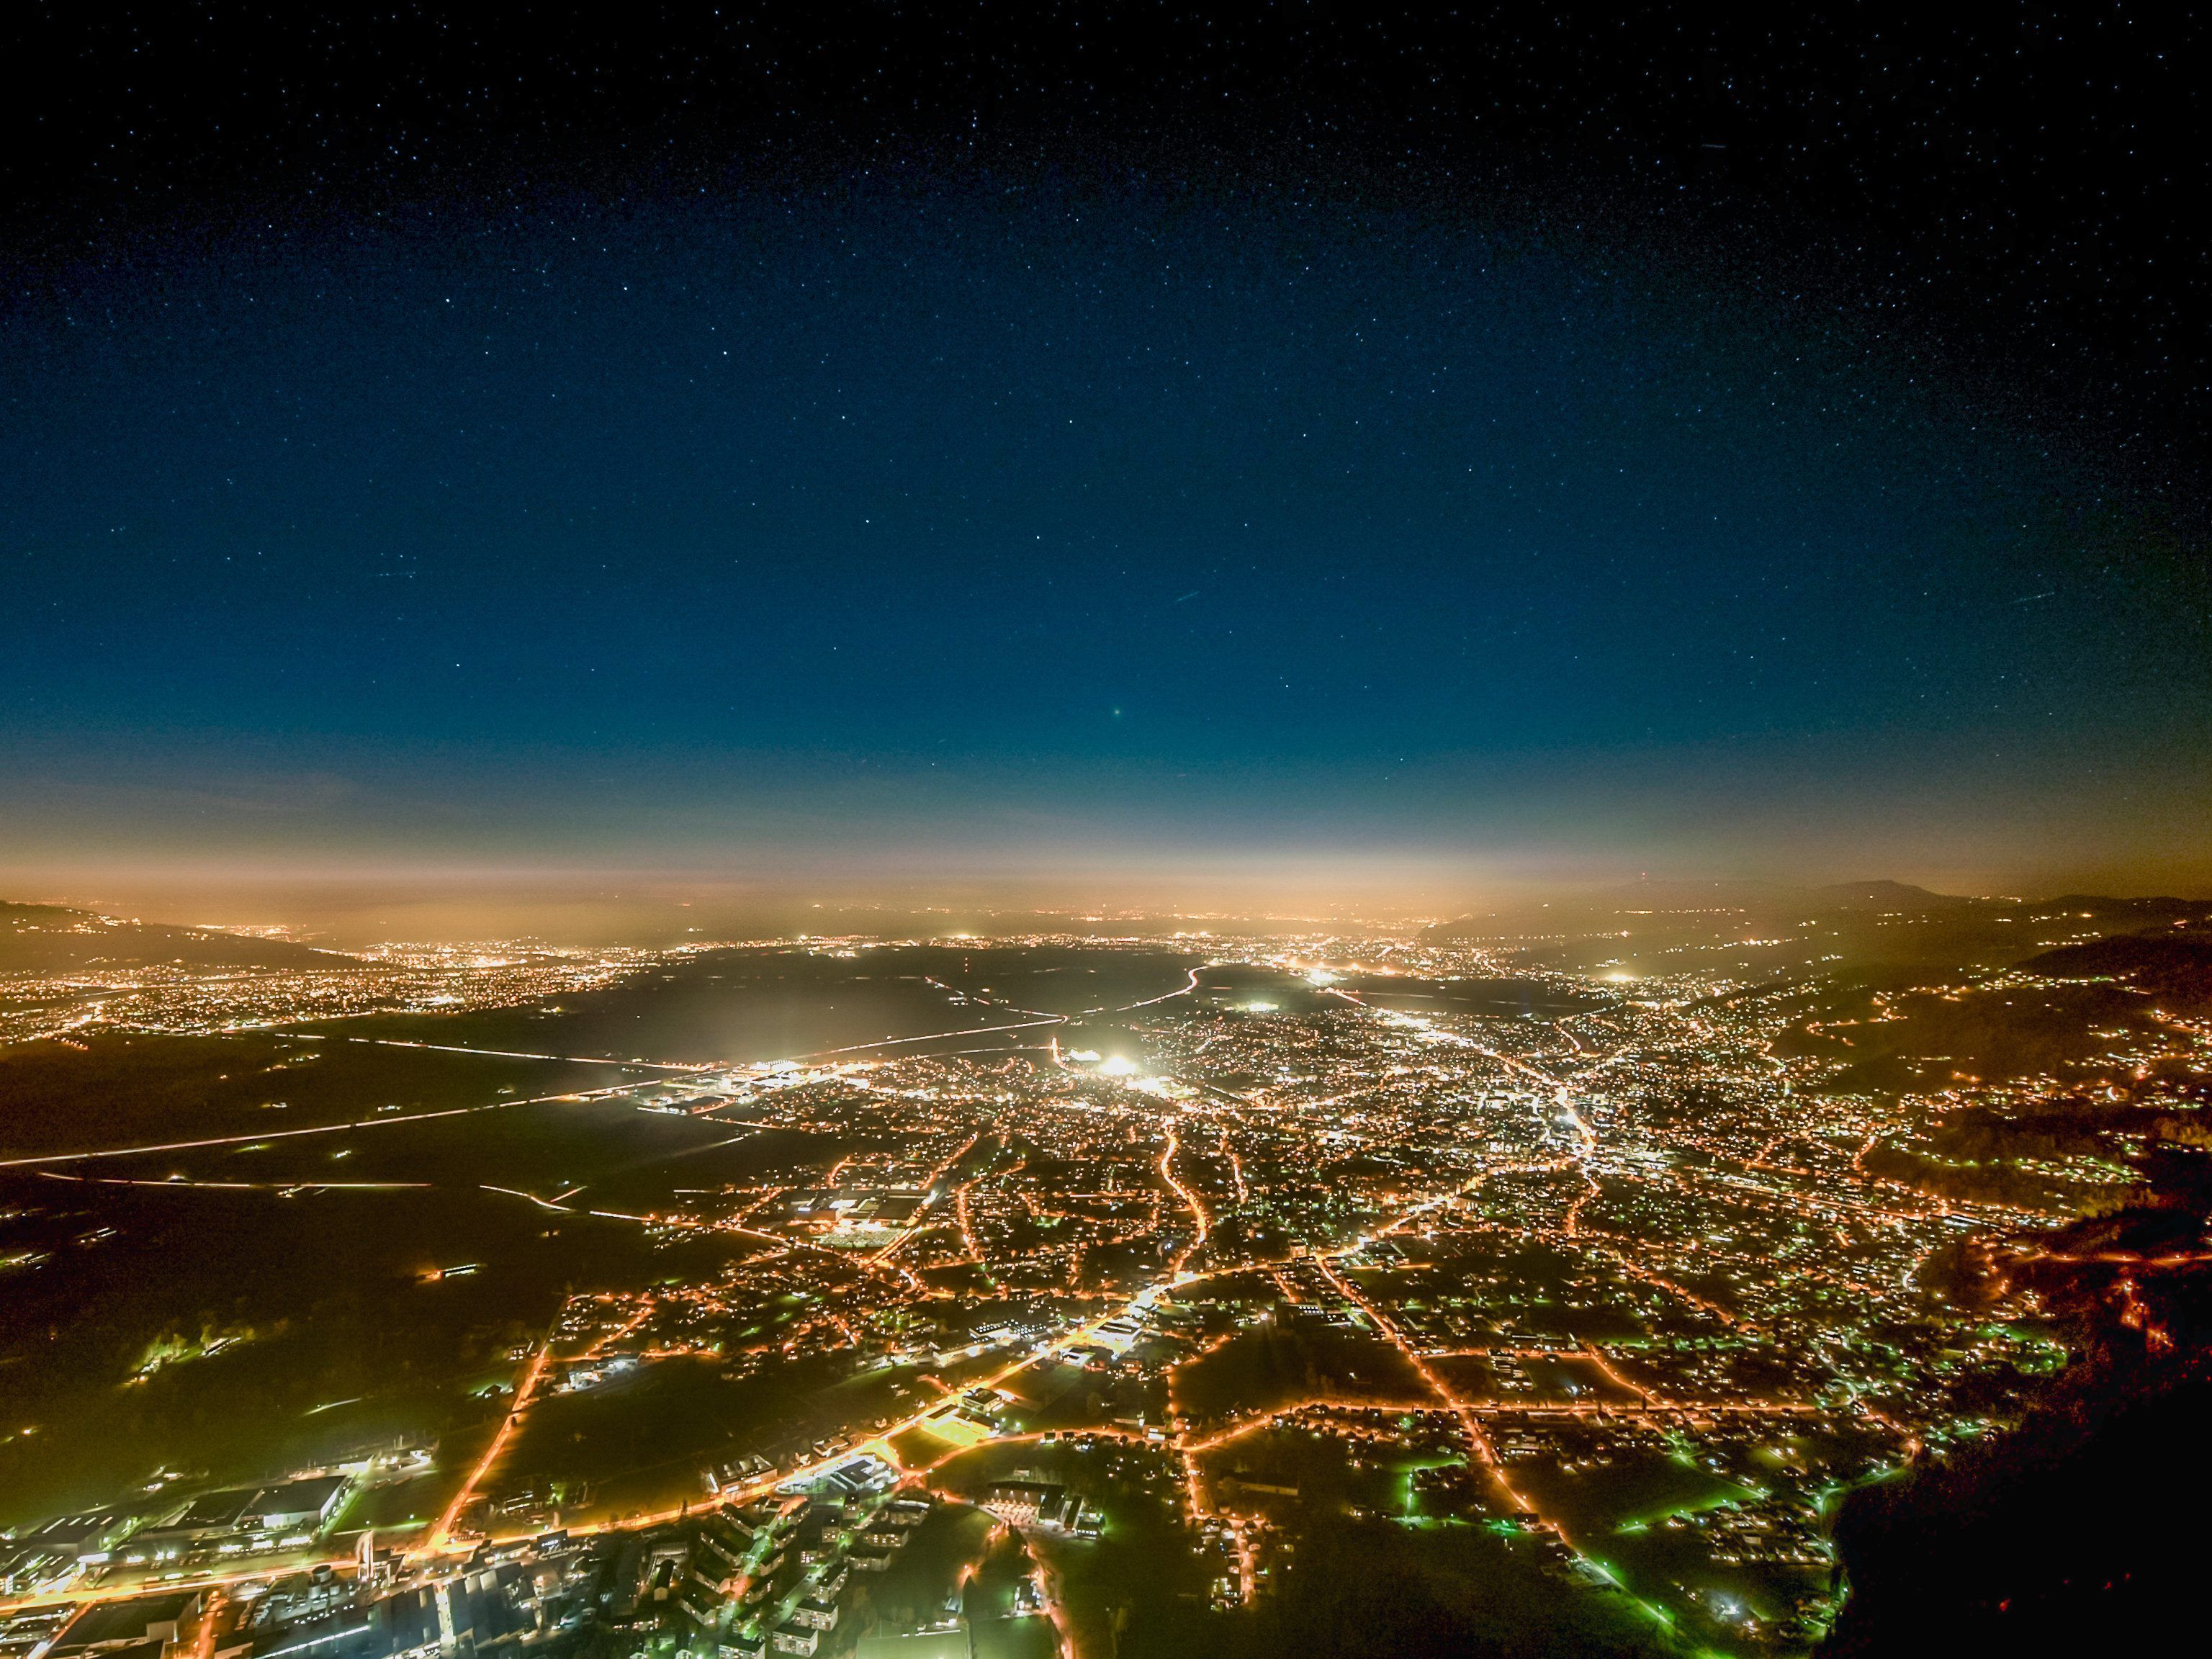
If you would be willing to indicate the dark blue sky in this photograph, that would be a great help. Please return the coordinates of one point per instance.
(988, 524)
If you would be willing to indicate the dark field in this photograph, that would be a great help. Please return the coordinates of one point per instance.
(738, 1006)
(246, 1317)
(129, 1091)
(1291, 1359)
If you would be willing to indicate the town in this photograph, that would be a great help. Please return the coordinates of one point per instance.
(1062, 1312)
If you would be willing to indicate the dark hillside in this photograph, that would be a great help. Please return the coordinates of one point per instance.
(2079, 1530)
(49, 938)
(2177, 967)
(2076, 1533)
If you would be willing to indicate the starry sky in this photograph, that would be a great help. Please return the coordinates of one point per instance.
(1103, 444)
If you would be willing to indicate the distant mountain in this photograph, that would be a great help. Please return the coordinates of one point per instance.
(1892, 897)
(2141, 911)
(52, 938)
(1732, 899)
(1887, 920)
(1759, 902)
(1673, 894)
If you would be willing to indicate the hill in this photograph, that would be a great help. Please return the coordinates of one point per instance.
(2060, 1535)
(2174, 967)
(2054, 1538)
(51, 939)
(1890, 897)
(1765, 932)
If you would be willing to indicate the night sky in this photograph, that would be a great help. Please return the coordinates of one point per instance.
(1104, 441)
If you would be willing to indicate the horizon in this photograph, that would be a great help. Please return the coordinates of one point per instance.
(651, 909)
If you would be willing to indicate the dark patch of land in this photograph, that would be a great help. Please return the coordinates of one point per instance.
(2176, 968)
(240, 1313)
(1291, 1358)
(139, 1088)
(754, 1004)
